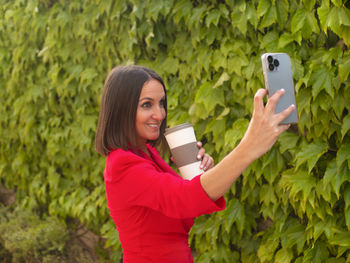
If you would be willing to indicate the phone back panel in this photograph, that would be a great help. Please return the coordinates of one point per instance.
(278, 78)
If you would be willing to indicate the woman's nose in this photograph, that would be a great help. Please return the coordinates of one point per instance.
(158, 113)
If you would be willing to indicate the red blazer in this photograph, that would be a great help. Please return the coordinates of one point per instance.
(153, 207)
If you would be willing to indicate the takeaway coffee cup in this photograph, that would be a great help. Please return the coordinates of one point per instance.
(183, 146)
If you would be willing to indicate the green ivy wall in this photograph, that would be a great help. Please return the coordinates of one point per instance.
(291, 205)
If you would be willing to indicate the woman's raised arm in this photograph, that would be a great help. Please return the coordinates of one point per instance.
(263, 131)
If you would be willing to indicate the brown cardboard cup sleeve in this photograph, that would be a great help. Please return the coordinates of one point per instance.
(183, 146)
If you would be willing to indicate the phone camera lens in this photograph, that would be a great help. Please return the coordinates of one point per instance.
(271, 67)
(276, 63)
(269, 59)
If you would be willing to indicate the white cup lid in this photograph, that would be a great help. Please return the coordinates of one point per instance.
(177, 128)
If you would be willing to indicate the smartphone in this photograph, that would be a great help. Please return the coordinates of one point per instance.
(278, 74)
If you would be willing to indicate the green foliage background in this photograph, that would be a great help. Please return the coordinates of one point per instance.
(291, 205)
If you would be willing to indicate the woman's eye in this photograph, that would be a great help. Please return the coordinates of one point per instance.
(162, 103)
(146, 105)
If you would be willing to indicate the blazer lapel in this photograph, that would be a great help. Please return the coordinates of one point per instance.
(160, 162)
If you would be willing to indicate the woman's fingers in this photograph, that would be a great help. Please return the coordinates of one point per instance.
(259, 100)
(200, 154)
(280, 129)
(271, 105)
(264, 127)
(284, 114)
(272, 101)
(207, 162)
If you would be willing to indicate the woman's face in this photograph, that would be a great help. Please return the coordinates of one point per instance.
(150, 111)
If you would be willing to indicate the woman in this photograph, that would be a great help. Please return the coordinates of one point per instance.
(152, 207)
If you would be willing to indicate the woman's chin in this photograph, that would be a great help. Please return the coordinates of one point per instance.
(153, 137)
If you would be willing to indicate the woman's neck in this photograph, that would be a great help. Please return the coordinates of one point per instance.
(143, 147)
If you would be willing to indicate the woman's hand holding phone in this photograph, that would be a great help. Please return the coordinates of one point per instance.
(264, 127)
(263, 131)
(278, 73)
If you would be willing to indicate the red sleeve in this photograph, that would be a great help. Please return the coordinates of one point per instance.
(134, 181)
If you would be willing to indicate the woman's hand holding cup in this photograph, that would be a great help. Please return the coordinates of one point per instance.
(207, 160)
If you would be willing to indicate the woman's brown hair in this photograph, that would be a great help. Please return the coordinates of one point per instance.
(116, 126)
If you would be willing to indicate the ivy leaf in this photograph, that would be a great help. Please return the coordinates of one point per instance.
(347, 217)
(346, 195)
(340, 177)
(217, 127)
(340, 239)
(223, 114)
(287, 140)
(267, 195)
(323, 227)
(213, 18)
(346, 126)
(311, 25)
(324, 190)
(204, 59)
(53, 178)
(270, 41)
(325, 101)
(223, 78)
(343, 155)
(317, 253)
(304, 100)
(322, 13)
(182, 9)
(199, 110)
(236, 63)
(321, 79)
(263, 7)
(88, 75)
(251, 13)
(235, 214)
(267, 248)
(344, 16)
(329, 18)
(219, 60)
(337, 3)
(339, 105)
(239, 19)
(272, 164)
(282, 11)
(330, 172)
(170, 65)
(283, 256)
(309, 4)
(197, 15)
(298, 20)
(294, 235)
(88, 123)
(287, 38)
(298, 181)
(334, 176)
(344, 69)
(346, 34)
(230, 3)
(270, 17)
(210, 97)
(138, 10)
(235, 134)
(311, 153)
